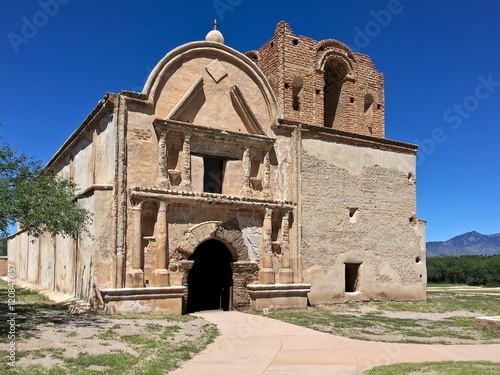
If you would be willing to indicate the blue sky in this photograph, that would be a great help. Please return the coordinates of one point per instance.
(441, 61)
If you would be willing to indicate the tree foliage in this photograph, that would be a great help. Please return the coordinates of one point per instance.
(3, 246)
(469, 270)
(38, 200)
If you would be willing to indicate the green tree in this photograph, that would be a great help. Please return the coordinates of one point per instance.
(467, 269)
(38, 200)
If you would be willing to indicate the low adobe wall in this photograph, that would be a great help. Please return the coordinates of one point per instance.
(3, 265)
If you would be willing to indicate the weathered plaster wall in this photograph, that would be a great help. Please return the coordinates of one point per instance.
(142, 150)
(13, 249)
(85, 255)
(367, 215)
(105, 150)
(83, 164)
(4, 261)
(64, 264)
(38, 261)
(22, 258)
(47, 257)
(102, 243)
(33, 260)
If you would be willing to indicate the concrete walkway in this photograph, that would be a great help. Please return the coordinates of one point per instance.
(251, 345)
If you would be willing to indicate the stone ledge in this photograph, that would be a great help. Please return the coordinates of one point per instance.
(207, 198)
(112, 294)
(278, 296)
(155, 299)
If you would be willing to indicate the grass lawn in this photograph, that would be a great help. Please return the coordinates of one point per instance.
(445, 318)
(443, 285)
(437, 368)
(51, 341)
(463, 289)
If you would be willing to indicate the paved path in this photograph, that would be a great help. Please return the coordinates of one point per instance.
(251, 344)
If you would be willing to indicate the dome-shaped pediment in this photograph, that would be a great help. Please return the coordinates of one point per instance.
(211, 84)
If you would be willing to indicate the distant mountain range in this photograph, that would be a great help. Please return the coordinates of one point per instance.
(471, 243)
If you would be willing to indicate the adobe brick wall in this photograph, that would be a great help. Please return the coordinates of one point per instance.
(366, 217)
(286, 57)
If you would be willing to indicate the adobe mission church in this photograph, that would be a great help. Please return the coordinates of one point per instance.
(260, 180)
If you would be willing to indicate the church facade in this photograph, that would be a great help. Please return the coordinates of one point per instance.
(257, 180)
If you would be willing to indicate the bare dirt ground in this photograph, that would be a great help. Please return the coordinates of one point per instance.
(68, 336)
(50, 337)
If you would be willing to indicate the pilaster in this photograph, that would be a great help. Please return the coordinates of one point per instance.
(161, 275)
(135, 277)
(266, 186)
(285, 275)
(162, 159)
(266, 274)
(186, 166)
(246, 189)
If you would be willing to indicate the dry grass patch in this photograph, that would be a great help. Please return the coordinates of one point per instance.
(437, 368)
(444, 318)
(50, 341)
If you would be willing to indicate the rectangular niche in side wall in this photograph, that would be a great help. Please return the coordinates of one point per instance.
(213, 175)
(351, 277)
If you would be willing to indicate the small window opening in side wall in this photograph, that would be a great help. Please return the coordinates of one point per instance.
(353, 214)
(351, 277)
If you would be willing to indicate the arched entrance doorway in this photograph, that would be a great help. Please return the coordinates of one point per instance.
(210, 278)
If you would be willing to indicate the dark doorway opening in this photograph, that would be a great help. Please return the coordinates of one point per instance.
(351, 277)
(210, 279)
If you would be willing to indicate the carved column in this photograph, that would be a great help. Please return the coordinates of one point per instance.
(266, 186)
(161, 275)
(120, 268)
(162, 160)
(185, 266)
(186, 166)
(285, 275)
(246, 190)
(266, 274)
(136, 274)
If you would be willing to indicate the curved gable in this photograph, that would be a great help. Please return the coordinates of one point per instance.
(210, 84)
